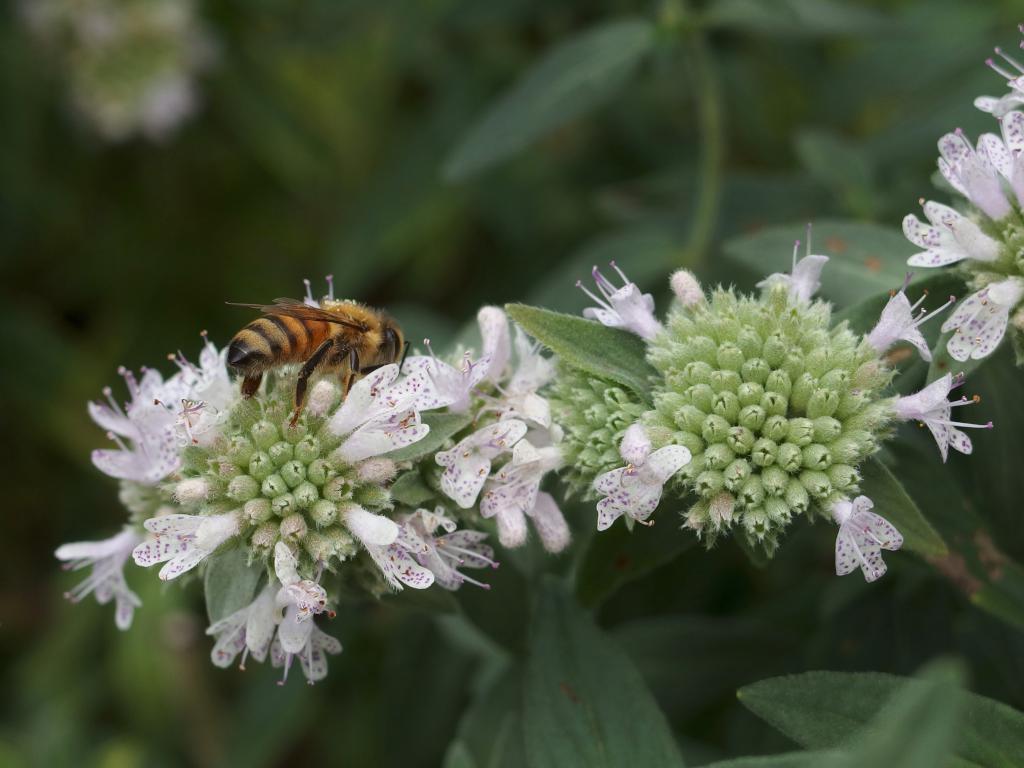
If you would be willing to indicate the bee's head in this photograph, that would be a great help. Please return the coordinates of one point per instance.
(393, 341)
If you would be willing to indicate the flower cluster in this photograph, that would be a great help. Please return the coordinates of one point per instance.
(207, 473)
(986, 239)
(507, 440)
(131, 66)
(763, 411)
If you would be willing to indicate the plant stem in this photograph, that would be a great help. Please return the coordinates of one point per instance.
(704, 215)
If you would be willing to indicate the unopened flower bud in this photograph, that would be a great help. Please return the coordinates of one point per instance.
(322, 397)
(264, 538)
(775, 427)
(718, 456)
(752, 417)
(816, 456)
(293, 433)
(281, 452)
(822, 403)
(726, 405)
(274, 485)
(750, 343)
(714, 429)
(730, 357)
(305, 494)
(372, 496)
(777, 510)
(700, 396)
(736, 473)
(843, 476)
(242, 488)
(264, 434)
(377, 471)
(764, 453)
(752, 491)
(293, 473)
(755, 369)
(749, 393)
(307, 449)
(721, 508)
(257, 510)
(816, 483)
(803, 388)
(324, 513)
(797, 497)
(319, 472)
(194, 490)
(293, 528)
(686, 288)
(283, 505)
(774, 480)
(240, 450)
(709, 482)
(740, 440)
(790, 457)
(260, 465)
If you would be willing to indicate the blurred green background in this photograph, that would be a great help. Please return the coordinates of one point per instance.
(318, 146)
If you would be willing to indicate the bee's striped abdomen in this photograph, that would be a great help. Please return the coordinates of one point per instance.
(273, 340)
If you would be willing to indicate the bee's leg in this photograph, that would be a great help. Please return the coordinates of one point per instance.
(401, 363)
(350, 374)
(304, 373)
(250, 384)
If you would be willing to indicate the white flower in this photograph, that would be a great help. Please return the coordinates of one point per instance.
(496, 344)
(862, 537)
(1013, 137)
(444, 555)
(518, 398)
(980, 321)
(441, 385)
(1014, 79)
(805, 279)
(144, 430)
(931, 408)
(898, 322)
(106, 582)
(623, 307)
(383, 540)
(312, 656)
(301, 599)
(468, 464)
(206, 393)
(376, 417)
(636, 488)
(248, 630)
(973, 172)
(183, 541)
(949, 238)
(512, 495)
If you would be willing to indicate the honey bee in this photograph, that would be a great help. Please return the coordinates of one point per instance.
(335, 335)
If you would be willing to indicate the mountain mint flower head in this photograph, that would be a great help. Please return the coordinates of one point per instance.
(986, 241)
(862, 537)
(932, 408)
(804, 281)
(107, 559)
(623, 307)
(1013, 73)
(761, 409)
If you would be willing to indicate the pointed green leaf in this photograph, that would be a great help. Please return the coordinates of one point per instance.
(894, 504)
(229, 582)
(442, 426)
(586, 705)
(575, 77)
(824, 710)
(608, 353)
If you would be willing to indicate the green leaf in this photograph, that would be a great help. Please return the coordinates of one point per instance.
(618, 555)
(572, 79)
(608, 353)
(894, 504)
(917, 727)
(229, 582)
(442, 427)
(411, 490)
(585, 704)
(864, 259)
(491, 731)
(458, 756)
(824, 710)
(788, 760)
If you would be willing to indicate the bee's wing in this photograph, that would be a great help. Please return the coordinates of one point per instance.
(300, 311)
